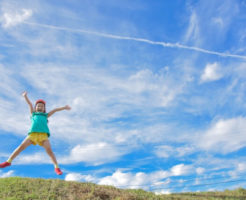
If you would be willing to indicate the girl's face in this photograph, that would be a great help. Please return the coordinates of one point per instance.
(40, 107)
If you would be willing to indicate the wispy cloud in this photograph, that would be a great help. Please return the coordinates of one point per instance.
(11, 119)
(164, 44)
(166, 151)
(192, 33)
(92, 98)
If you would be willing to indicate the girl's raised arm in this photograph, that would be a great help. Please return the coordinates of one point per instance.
(24, 94)
(59, 109)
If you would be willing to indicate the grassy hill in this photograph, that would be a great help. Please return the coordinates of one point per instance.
(16, 188)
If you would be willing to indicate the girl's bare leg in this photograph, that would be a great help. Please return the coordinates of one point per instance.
(27, 142)
(47, 146)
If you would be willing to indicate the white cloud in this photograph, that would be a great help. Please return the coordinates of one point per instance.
(145, 180)
(94, 154)
(212, 72)
(130, 180)
(35, 158)
(181, 169)
(241, 167)
(224, 136)
(127, 179)
(79, 177)
(13, 17)
(118, 179)
(7, 174)
(153, 180)
(160, 192)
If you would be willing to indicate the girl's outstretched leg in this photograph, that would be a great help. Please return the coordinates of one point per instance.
(27, 142)
(47, 146)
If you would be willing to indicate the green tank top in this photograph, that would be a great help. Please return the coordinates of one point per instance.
(39, 123)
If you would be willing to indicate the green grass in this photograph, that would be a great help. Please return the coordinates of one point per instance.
(16, 188)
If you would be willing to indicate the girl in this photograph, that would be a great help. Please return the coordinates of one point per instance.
(38, 133)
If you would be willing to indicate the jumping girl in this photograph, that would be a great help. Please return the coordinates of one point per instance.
(38, 133)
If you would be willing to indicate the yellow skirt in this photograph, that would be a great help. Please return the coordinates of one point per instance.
(38, 138)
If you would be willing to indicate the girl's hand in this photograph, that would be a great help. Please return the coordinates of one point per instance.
(24, 94)
(67, 107)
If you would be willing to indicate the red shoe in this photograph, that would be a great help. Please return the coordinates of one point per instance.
(58, 171)
(5, 164)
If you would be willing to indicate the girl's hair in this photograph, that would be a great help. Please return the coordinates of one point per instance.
(40, 101)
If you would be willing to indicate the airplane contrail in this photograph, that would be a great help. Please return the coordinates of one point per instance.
(164, 44)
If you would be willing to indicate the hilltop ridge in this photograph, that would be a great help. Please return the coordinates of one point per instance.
(17, 188)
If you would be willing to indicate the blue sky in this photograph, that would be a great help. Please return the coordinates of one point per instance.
(157, 90)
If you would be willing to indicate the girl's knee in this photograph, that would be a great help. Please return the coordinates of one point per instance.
(46, 144)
